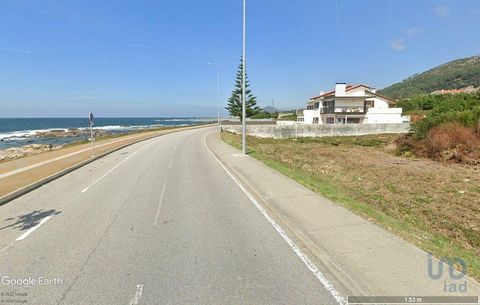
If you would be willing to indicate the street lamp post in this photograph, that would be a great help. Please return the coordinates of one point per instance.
(244, 123)
(218, 91)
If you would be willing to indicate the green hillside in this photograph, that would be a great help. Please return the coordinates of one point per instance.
(456, 74)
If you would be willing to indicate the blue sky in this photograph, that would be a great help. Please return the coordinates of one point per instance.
(149, 58)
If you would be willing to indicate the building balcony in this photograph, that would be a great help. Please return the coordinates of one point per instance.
(344, 110)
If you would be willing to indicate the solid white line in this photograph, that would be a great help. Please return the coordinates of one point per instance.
(306, 260)
(30, 231)
(96, 181)
(138, 295)
(157, 214)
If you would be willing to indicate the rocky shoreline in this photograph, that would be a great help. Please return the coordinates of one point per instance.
(71, 132)
(13, 153)
(25, 151)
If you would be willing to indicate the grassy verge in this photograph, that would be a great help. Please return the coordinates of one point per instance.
(435, 206)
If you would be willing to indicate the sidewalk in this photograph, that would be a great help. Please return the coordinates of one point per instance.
(21, 175)
(358, 257)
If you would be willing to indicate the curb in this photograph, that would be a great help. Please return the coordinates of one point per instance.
(336, 274)
(347, 282)
(26, 189)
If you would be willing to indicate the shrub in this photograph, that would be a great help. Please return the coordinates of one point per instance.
(451, 139)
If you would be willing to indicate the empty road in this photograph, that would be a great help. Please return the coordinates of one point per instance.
(158, 222)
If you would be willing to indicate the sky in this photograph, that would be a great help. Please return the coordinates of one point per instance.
(147, 58)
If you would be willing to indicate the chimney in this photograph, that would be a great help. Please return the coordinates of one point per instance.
(322, 93)
(340, 89)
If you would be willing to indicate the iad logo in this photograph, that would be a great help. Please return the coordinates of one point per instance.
(452, 283)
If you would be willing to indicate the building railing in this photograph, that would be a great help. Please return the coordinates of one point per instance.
(344, 109)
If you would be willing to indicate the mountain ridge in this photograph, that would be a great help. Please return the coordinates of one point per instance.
(455, 74)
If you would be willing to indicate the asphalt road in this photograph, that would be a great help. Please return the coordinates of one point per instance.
(159, 222)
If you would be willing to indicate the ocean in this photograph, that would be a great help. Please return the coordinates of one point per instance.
(16, 132)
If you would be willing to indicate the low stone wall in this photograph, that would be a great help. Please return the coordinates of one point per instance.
(307, 130)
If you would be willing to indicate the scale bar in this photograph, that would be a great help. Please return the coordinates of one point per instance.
(412, 300)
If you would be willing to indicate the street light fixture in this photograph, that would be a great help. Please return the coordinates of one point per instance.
(218, 90)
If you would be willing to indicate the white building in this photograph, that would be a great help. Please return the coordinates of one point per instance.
(349, 104)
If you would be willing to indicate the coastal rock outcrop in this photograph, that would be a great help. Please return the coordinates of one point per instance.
(26, 150)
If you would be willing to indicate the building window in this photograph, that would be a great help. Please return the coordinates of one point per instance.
(369, 104)
(315, 120)
(330, 120)
(353, 121)
(328, 106)
(316, 105)
(341, 120)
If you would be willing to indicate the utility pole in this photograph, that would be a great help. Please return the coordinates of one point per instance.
(244, 63)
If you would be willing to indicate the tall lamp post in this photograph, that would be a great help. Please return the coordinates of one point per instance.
(218, 91)
(244, 123)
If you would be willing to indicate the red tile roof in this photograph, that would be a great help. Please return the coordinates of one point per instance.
(348, 88)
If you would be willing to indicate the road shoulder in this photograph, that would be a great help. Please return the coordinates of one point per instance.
(358, 257)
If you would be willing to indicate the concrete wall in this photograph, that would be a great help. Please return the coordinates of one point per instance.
(305, 130)
(384, 116)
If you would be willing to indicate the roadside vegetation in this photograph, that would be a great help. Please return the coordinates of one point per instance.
(434, 205)
(448, 128)
(264, 115)
(288, 117)
(234, 102)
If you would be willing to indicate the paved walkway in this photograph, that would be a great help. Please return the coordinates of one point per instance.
(359, 257)
(20, 173)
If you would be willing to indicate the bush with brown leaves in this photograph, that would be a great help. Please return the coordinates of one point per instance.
(452, 141)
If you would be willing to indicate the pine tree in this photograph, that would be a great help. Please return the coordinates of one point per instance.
(234, 105)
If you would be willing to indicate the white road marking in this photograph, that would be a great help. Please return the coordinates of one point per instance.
(30, 231)
(96, 181)
(138, 295)
(157, 214)
(173, 155)
(305, 259)
(6, 247)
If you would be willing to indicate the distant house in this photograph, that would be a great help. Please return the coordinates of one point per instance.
(469, 89)
(350, 104)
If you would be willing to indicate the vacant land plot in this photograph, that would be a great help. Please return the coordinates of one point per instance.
(433, 205)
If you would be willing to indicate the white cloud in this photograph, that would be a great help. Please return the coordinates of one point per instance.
(398, 45)
(442, 11)
(14, 50)
(413, 31)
